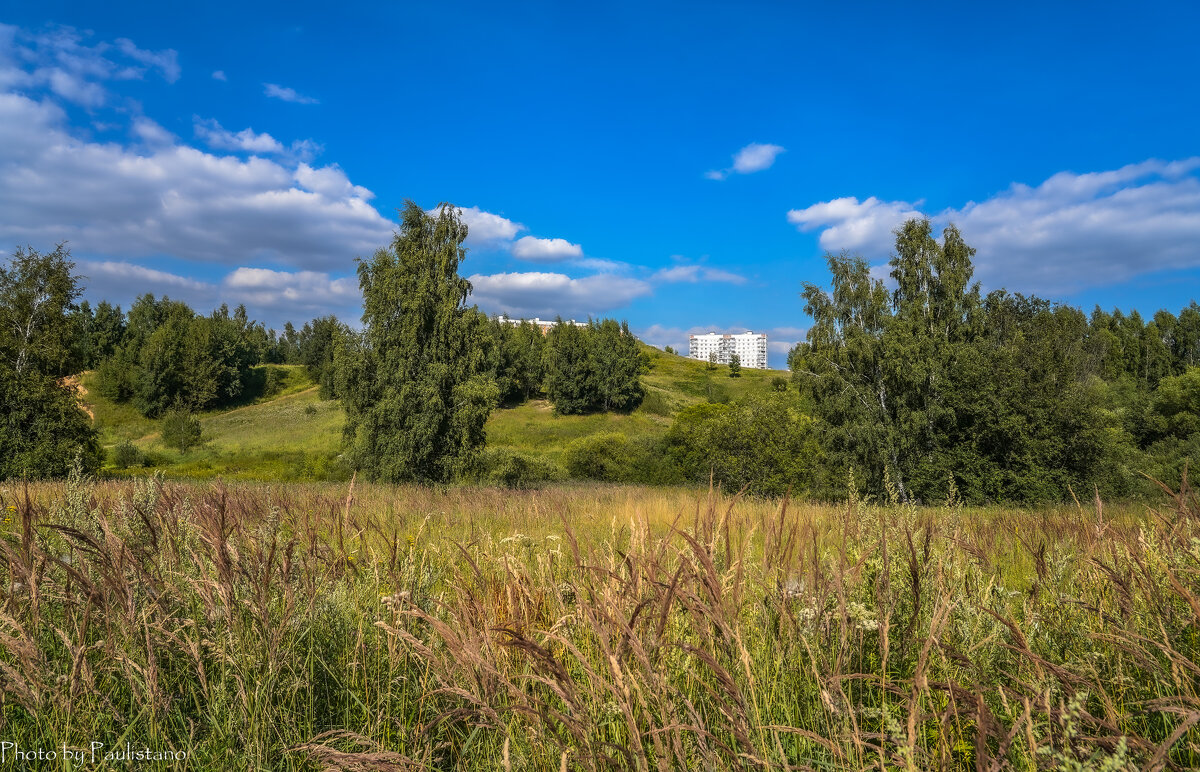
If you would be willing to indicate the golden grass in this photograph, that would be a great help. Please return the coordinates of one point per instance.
(324, 626)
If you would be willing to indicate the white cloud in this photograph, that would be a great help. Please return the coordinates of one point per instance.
(166, 61)
(151, 133)
(217, 137)
(545, 250)
(271, 296)
(145, 279)
(331, 182)
(173, 200)
(847, 223)
(219, 75)
(551, 294)
(301, 291)
(1071, 231)
(60, 61)
(692, 274)
(288, 94)
(485, 228)
(754, 157)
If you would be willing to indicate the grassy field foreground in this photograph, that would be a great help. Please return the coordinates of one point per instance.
(376, 628)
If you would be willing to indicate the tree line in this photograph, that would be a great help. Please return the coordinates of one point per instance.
(417, 381)
(933, 388)
(922, 389)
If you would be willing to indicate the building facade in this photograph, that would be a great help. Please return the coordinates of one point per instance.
(751, 348)
(543, 324)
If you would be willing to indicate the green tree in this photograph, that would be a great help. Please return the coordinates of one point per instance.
(42, 428)
(181, 430)
(572, 380)
(421, 397)
(735, 366)
(766, 443)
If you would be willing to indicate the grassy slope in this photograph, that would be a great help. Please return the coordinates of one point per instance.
(281, 438)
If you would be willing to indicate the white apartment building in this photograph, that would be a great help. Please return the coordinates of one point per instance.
(751, 348)
(544, 325)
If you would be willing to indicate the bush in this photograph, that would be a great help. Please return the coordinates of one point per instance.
(310, 410)
(506, 468)
(655, 403)
(181, 430)
(765, 444)
(599, 457)
(126, 454)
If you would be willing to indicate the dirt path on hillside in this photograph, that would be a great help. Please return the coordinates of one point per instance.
(76, 383)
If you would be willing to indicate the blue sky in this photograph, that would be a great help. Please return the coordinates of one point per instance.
(683, 166)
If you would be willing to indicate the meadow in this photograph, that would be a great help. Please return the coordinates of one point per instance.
(291, 434)
(359, 627)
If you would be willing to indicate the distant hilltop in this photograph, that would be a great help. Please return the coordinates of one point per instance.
(750, 347)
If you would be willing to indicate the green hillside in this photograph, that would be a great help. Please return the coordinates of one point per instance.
(295, 435)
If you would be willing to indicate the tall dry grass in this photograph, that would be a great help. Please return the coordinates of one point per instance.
(309, 627)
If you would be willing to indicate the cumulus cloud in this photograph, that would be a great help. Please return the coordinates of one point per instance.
(171, 199)
(692, 274)
(272, 296)
(487, 229)
(219, 138)
(212, 133)
(551, 294)
(754, 157)
(1067, 233)
(545, 250)
(275, 91)
(847, 223)
(298, 292)
(151, 133)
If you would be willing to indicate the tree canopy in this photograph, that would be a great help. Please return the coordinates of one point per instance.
(417, 395)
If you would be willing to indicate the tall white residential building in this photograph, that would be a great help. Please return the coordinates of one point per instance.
(751, 348)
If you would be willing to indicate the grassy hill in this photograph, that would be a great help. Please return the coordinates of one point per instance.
(293, 434)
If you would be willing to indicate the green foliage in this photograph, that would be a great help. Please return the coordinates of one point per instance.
(779, 383)
(766, 444)
(181, 430)
(416, 392)
(168, 355)
(933, 383)
(316, 346)
(126, 454)
(597, 367)
(42, 429)
(735, 366)
(509, 469)
(602, 457)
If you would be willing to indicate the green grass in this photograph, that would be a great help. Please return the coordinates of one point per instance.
(590, 627)
(294, 435)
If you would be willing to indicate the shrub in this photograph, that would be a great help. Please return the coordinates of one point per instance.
(126, 454)
(599, 457)
(310, 410)
(181, 430)
(655, 403)
(763, 443)
(506, 468)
